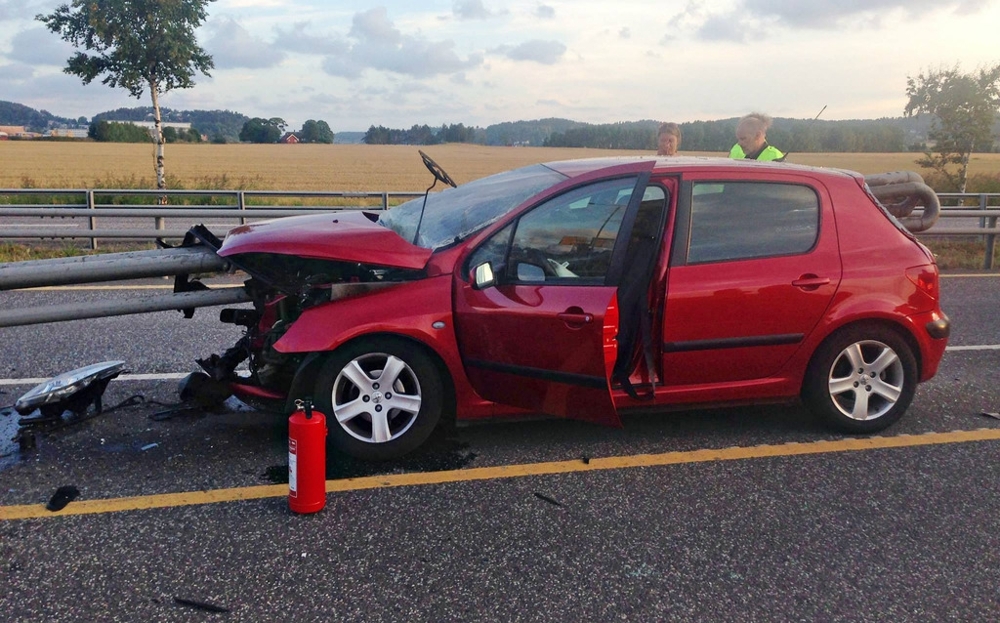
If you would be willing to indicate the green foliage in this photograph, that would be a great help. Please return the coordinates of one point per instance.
(259, 130)
(222, 126)
(111, 132)
(316, 132)
(134, 44)
(788, 134)
(964, 108)
(421, 135)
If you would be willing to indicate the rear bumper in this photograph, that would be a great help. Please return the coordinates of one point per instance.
(931, 330)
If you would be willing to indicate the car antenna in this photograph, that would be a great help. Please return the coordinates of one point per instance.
(809, 127)
(439, 174)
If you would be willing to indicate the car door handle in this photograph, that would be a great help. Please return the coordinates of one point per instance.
(810, 282)
(575, 318)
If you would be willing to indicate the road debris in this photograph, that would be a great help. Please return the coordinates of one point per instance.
(62, 497)
(201, 605)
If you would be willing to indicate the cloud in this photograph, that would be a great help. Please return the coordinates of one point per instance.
(471, 9)
(544, 11)
(755, 15)
(544, 52)
(295, 39)
(15, 72)
(39, 46)
(625, 33)
(19, 9)
(233, 47)
(375, 43)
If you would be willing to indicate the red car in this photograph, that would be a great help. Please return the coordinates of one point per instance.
(583, 289)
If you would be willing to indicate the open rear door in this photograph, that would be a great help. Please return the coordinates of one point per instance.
(541, 333)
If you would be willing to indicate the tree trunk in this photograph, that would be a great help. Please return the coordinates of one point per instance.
(161, 182)
(963, 172)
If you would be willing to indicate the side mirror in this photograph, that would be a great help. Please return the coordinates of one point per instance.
(530, 273)
(483, 276)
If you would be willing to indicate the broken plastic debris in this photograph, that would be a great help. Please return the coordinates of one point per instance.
(992, 414)
(201, 605)
(62, 497)
(149, 446)
(548, 499)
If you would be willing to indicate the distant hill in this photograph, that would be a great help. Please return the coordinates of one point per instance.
(33, 120)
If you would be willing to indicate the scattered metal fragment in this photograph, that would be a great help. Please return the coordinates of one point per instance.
(547, 499)
(63, 496)
(148, 446)
(201, 605)
(994, 415)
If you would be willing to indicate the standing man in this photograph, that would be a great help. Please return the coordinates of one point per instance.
(668, 139)
(751, 139)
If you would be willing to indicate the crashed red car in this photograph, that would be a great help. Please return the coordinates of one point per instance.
(585, 289)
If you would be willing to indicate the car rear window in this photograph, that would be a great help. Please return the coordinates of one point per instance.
(743, 220)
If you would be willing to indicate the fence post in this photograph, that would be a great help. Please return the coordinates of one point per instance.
(93, 220)
(990, 245)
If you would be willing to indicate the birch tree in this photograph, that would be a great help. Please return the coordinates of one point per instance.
(137, 45)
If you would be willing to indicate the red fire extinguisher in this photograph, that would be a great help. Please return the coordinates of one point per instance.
(306, 459)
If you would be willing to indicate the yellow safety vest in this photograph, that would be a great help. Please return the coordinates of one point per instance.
(770, 153)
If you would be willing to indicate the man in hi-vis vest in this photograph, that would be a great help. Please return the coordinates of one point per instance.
(751, 139)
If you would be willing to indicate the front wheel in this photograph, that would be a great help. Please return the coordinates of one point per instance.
(862, 379)
(383, 396)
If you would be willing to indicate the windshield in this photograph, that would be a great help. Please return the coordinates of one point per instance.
(455, 213)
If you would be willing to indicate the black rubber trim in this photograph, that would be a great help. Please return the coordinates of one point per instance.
(939, 329)
(582, 380)
(733, 342)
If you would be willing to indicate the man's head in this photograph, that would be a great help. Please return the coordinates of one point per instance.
(668, 139)
(751, 132)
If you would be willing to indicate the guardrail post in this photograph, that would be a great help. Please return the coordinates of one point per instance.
(990, 245)
(241, 205)
(93, 220)
(385, 201)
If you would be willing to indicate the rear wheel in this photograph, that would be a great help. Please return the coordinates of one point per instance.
(383, 398)
(862, 379)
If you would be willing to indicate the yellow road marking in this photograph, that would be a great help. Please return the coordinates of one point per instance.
(191, 498)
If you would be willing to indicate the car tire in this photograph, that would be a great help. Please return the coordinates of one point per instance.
(382, 398)
(861, 379)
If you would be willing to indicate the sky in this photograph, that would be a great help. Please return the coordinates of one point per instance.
(358, 63)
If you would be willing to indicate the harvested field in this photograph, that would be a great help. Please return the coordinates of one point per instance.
(44, 164)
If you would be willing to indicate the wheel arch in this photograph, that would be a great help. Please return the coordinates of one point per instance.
(308, 370)
(892, 325)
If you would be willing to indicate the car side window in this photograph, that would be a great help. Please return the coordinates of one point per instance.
(567, 239)
(743, 220)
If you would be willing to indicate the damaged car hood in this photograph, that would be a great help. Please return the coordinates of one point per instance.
(341, 236)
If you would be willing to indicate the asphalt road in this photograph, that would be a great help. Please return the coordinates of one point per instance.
(751, 514)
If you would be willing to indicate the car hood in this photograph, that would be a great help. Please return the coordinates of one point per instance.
(343, 236)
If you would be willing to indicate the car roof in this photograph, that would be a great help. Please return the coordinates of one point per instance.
(679, 164)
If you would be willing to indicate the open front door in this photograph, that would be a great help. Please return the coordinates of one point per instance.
(538, 327)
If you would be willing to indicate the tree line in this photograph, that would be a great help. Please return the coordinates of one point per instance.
(423, 135)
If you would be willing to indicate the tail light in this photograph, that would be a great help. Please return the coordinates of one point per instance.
(926, 279)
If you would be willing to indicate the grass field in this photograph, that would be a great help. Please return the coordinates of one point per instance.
(77, 165)
(42, 164)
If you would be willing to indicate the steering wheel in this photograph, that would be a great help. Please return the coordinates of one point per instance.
(436, 170)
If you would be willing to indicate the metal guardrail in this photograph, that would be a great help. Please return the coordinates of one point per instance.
(241, 205)
(238, 205)
(986, 210)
